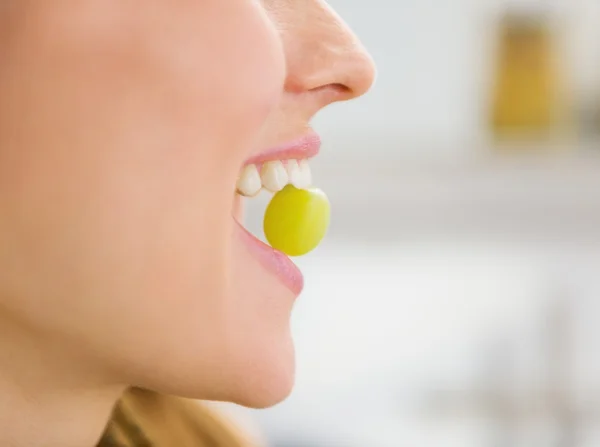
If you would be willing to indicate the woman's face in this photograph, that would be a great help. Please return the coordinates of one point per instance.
(123, 128)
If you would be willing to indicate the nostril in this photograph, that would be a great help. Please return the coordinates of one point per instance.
(341, 88)
(333, 92)
(351, 79)
(341, 92)
(337, 88)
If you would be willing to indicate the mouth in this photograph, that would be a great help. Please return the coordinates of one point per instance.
(271, 171)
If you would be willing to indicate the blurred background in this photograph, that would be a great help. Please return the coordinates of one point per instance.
(456, 299)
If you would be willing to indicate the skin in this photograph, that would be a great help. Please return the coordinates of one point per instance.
(119, 263)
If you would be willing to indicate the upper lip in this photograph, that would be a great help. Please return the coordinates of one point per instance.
(306, 146)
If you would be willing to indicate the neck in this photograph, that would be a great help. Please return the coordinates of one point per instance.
(46, 400)
(69, 418)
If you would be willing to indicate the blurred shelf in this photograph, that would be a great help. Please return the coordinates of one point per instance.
(528, 194)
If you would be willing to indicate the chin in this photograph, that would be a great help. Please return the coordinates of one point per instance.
(236, 345)
(258, 386)
(267, 383)
(255, 372)
(261, 362)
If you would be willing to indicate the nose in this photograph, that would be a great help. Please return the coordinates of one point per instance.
(325, 57)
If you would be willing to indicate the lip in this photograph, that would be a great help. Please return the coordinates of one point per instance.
(272, 260)
(306, 146)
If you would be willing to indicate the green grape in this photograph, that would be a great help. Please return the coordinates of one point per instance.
(296, 220)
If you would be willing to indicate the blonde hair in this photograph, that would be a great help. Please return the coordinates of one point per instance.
(147, 419)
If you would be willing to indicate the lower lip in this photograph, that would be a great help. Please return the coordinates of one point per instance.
(273, 260)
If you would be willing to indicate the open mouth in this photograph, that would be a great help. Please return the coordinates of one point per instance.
(272, 171)
(273, 176)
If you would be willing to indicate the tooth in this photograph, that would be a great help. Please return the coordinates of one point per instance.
(294, 174)
(249, 183)
(274, 176)
(305, 177)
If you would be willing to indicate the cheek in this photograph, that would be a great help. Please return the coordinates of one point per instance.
(137, 261)
(118, 202)
(233, 76)
(209, 73)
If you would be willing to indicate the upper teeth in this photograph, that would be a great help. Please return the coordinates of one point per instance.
(303, 178)
(273, 176)
(249, 183)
